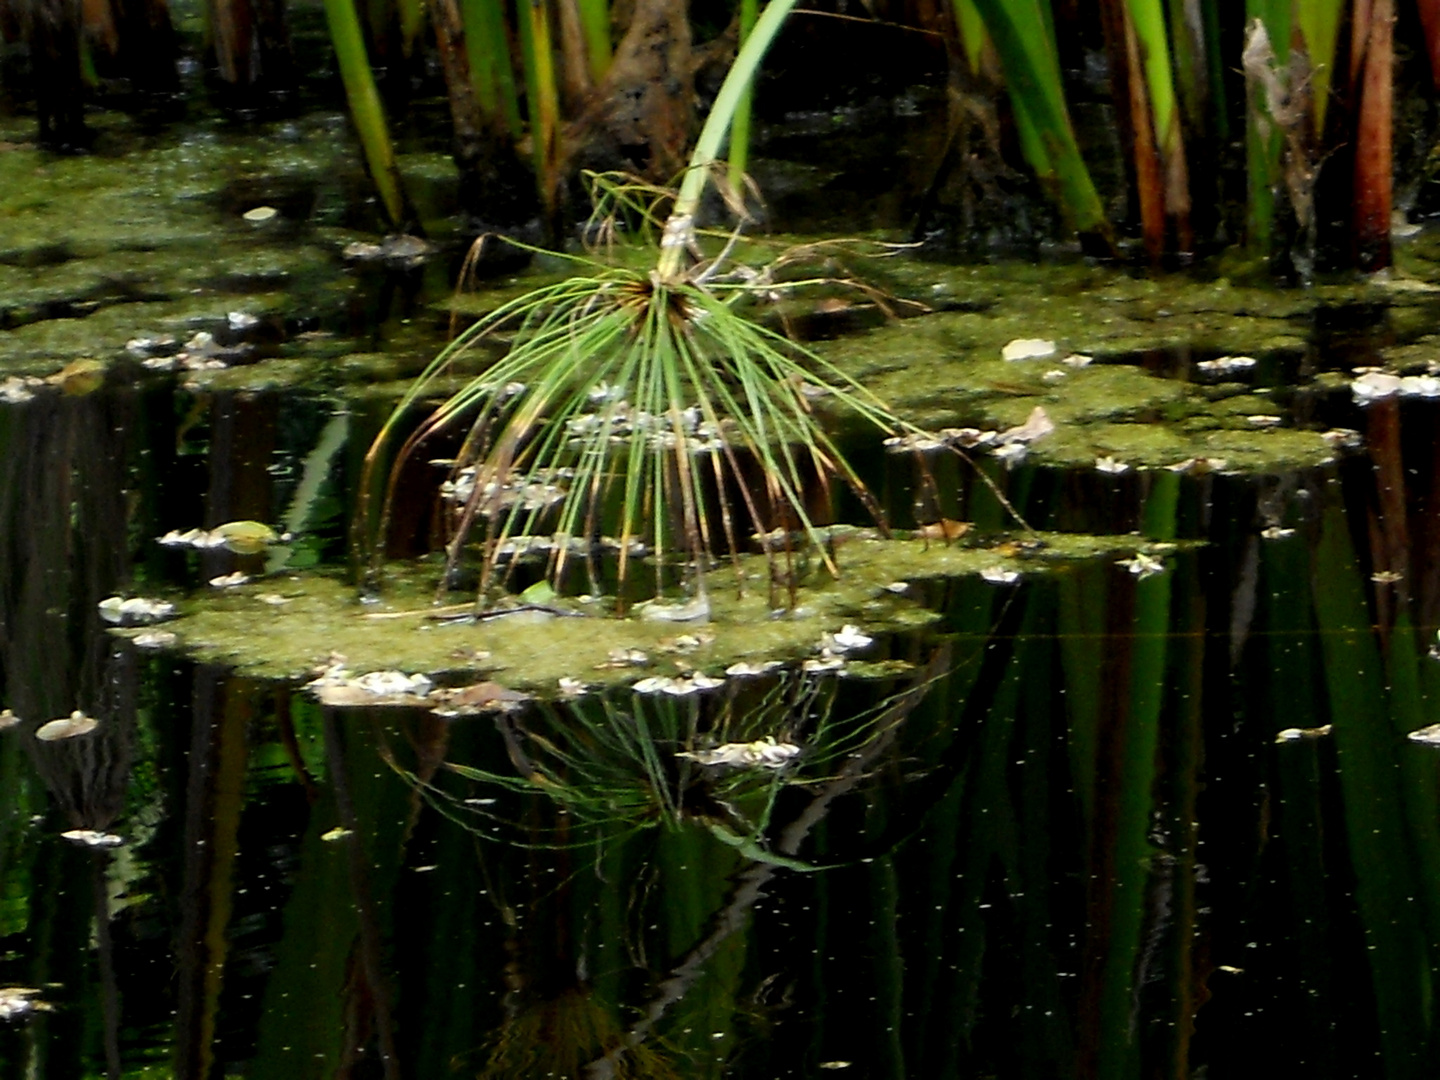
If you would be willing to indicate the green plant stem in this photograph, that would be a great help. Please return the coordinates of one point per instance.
(679, 229)
(365, 107)
(487, 47)
(595, 25)
(740, 127)
(543, 95)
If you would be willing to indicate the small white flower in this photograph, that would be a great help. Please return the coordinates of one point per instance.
(571, 687)
(229, 581)
(1420, 386)
(1054, 375)
(655, 684)
(154, 639)
(241, 320)
(1275, 532)
(1077, 360)
(1224, 365)
(1109, 464)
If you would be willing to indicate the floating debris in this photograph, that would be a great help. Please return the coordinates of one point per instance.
(696, 610)
(476, 698)
(826, 661)
(17, 390)
(1225, 365)
(571, 688)
(273, 599)
(1036, 426)
(1027, 349)
(999, 575)
(136, 611)
(1420, 386)
(1275, 532)
(336, 686)
(918, 442)
(151, 347)
(744, 670)
(20, 1001)
(242, 320)
(1265, 420)
(229, 581)
(155, 639)
(1387, 577)
(1012, 453)
(260, 214)
(1111, 465)
(680, 687)
(79, 377)
(764, 753)
(337, 833)
(968, 437)
(1296, 734)
(1426, 736)
(1199, 466)
(1142, 565)
(849, 638)
(1348, 438)
(944, 529)
(92, 839)
(8, 720)
(1373, 386)
(70, 727)
(899, 588)
(241, 537)
(623, 658)
(1053, 375)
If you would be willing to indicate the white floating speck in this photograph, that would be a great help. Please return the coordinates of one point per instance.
(569, 687)
(18, 1001)
(999, 575)
(764, 753)
(229, 581)
(1420, 386)
(1142, 565)
(260, 213)
(826, 661)
(848, 639)
(1386, 577)
(1427, 736)
(70, 727)
(241, 320)
(1077, 360)
(1265, 420)
(93, 839)
(337, 833)
(8, 720)
(1275, 532)
(1012, 453)
(1053, 375)
(900, 588)
(154, 639)
(1110, 465)
(1375, 385)
(1295, 734)
(137, 609)
(743, 670)
(1225, 365)
(1028, 349)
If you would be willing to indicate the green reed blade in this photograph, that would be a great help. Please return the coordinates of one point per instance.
(487, 46)
(365, 108)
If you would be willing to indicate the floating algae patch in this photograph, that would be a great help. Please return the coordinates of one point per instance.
(290, 627)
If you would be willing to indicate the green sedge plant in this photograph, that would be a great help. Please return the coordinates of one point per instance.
(646, 407)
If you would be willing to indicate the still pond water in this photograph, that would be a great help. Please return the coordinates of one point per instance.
(1132, 796)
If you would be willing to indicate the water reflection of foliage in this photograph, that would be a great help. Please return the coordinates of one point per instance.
(558, 1036)
(617, 762)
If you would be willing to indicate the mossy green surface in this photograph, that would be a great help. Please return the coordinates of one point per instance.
(321, 615)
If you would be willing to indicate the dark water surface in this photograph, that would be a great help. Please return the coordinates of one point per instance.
(1096, 823)
(1070, 839)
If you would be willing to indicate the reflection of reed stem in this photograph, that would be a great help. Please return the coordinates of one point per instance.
(750, 883)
